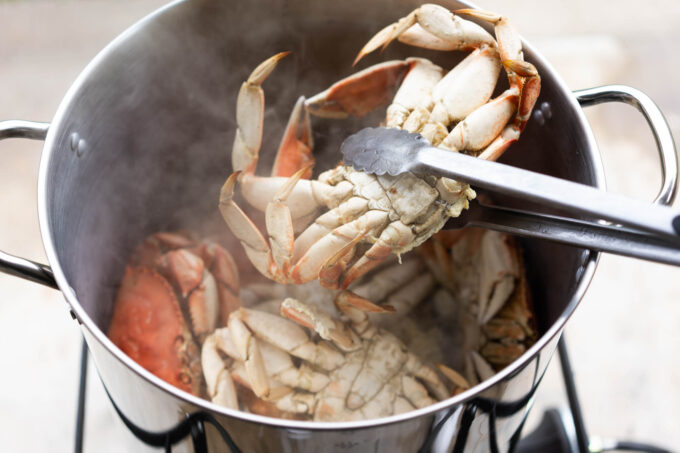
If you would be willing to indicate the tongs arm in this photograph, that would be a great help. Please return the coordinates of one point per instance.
(573, 198)
(582, 233)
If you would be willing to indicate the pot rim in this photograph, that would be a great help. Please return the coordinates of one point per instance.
(591, 259)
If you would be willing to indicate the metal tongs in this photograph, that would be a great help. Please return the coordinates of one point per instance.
(640, 230)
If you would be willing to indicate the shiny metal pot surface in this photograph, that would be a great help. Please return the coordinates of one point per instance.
(141, 142)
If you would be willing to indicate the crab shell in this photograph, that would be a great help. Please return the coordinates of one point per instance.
(148, 326)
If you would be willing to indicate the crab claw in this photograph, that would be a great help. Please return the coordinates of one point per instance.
(321, 322)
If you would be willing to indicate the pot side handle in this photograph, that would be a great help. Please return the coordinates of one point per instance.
(10, 264)
(657, 123)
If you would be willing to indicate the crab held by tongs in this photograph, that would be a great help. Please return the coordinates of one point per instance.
(393, 214)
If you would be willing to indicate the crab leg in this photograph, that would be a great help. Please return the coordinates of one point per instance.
(427, 375)
(530, 91)
(334, 267)
(280, 225)
(278, 367)
(498, 275)
(411, 294)
(360, 93)
(249, 349)
(439, 22)
(385, 281)
(466, 87)
(273, 265)
(357, 308)
(221, 389)
(250, 116)
(509, 41)
(410, 107)
(304, 199)
(197, 286)
(295, 151)
(244, 229)
(394, 237)
(522, 75)
(308, 266)
(290, 337)
(223, 268)
(327, 222)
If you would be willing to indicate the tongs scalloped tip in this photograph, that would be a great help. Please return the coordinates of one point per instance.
(366, 150)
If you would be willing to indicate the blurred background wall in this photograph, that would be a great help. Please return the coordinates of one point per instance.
(623, 339)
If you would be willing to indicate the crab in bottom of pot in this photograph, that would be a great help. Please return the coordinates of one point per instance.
(356, 370)
(485, 292)
(174, 292)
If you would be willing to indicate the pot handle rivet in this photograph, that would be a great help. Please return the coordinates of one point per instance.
(78, 145)
(75, 138)
(81, 148)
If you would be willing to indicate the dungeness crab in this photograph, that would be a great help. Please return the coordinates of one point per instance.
(355, 372)
(393, 214)
(173, 294)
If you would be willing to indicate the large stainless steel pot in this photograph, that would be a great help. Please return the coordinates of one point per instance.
(141, 141)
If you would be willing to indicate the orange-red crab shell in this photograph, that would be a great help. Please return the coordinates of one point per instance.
(148, 325)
